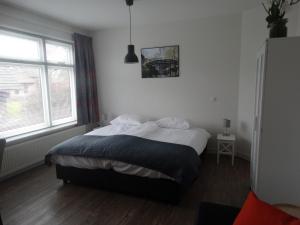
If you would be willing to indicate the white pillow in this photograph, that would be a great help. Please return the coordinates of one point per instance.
(128, 119)
(173, 123)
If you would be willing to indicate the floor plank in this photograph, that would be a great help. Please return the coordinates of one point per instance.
(38, 198)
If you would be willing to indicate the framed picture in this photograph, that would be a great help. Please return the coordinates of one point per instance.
(160, 62)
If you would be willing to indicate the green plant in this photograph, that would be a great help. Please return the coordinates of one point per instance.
(276, 10)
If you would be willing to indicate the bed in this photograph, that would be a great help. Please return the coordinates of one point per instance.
(141, 159)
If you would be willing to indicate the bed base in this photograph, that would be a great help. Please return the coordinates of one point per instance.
(157, 189)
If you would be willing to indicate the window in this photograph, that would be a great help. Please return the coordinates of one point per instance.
(37, 83)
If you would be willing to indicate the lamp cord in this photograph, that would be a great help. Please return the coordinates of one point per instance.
(130, 24)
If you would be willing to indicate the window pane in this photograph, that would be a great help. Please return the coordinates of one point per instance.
(60, 92)
(20, 47)
(21, 100)
(59, 53)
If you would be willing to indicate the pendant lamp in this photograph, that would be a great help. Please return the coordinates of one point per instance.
(131, 56)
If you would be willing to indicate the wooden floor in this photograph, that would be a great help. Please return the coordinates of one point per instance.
(37, 197)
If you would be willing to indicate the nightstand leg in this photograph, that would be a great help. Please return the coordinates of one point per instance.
(233, 148)
(218, 155)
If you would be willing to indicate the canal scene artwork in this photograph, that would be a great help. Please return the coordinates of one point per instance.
(160, 62)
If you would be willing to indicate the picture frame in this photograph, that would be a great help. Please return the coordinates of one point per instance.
(160, 62)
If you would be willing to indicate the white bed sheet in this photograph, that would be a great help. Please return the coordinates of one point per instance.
(120, 167)
(196, 138)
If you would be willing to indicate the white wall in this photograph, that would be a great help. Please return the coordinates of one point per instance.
(25, 21)
(254, 33)
(298, 23)
(209, 65)
(20, 156)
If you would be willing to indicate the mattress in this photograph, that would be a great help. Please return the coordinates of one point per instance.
(120, 167)
(196, 138)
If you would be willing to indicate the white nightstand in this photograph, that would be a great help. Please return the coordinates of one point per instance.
(226, 146)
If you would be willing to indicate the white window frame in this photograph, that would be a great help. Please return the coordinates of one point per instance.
(48, 124)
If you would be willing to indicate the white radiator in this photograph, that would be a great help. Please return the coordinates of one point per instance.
(29, 153)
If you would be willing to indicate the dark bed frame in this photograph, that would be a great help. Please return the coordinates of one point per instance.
(158, 189)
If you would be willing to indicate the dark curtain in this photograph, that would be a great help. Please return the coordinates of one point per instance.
(86, 84)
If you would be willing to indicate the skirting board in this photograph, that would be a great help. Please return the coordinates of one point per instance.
(23, 170)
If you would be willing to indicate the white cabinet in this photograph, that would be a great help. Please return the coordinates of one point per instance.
(275, 156)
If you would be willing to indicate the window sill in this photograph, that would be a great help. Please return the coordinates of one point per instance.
(39, 133)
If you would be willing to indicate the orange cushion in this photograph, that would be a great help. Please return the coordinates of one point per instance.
(257, 212)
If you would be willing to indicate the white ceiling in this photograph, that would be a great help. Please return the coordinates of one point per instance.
(97, 14)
